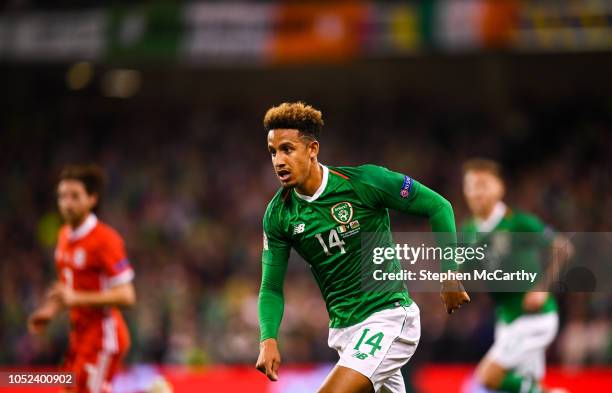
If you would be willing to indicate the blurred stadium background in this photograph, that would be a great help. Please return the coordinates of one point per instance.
(169, 98)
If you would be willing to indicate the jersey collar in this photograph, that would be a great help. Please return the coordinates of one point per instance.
(83, 230)
(319, 190)
(488, 224)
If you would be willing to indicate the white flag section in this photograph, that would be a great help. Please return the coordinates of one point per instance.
(217, 32)
(54, 36)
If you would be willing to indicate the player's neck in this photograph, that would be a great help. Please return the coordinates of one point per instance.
(312, 184)
(77, 223)
(485, 214)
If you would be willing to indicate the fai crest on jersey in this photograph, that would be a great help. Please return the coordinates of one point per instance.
(79, 258)
(342, 212)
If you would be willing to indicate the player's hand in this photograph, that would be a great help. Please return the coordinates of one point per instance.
(38, 321)
(533, 301)
(62, 294)
(453, 295)
(269, 359)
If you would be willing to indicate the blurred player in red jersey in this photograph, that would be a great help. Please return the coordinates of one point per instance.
(95, 277)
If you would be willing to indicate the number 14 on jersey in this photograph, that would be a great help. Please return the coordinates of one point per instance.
(333, 241)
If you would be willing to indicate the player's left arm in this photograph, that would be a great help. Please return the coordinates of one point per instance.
(400, 192)
(119, 274)
(561, 250)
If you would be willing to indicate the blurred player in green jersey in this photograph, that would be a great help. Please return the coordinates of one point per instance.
(322, 211)
(527, 321)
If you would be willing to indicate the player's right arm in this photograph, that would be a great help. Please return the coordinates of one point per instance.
(275, 256)
(111, 259)
(40, 318)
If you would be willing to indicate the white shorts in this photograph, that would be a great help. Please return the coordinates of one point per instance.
(521, 345)
(379, 346)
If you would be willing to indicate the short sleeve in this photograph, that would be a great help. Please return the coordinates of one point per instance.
(115, 263)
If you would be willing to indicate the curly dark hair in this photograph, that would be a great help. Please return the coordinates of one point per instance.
(91, 175)
(294, 116)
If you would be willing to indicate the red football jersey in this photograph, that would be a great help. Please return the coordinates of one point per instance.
(92, 258)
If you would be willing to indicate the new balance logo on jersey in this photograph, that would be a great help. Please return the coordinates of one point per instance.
(299, 228)
(360, 355)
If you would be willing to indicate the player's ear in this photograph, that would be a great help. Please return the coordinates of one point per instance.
(502, 189)
(93, 200)
(313, 149)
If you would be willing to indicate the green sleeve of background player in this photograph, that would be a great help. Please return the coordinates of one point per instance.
(388, 189)
(274, 259)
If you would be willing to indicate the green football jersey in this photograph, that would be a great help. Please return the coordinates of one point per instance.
(519, 250)
(325, 230)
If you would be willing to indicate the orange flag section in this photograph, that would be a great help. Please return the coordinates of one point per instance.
(500, 19)
(318, 32)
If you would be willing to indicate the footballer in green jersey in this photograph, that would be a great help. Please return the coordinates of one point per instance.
(321, 212)
(527, 320)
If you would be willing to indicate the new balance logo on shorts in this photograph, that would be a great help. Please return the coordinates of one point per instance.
(360, 355)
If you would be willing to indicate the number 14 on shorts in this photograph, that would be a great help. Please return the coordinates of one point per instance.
(373, 341)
